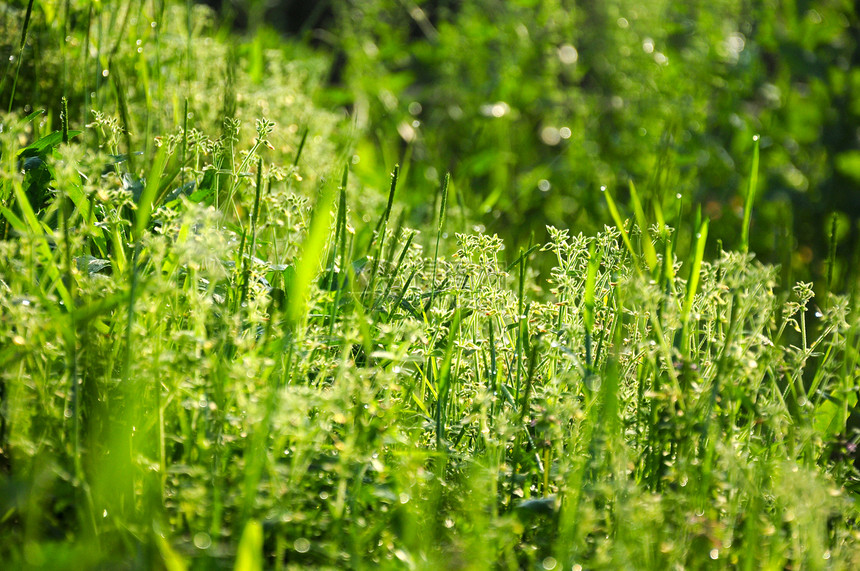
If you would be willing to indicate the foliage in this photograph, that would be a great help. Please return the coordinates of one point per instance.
(533, 105)
(214, 355)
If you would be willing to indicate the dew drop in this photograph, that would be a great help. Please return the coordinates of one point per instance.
(302, 545)
(202, 540)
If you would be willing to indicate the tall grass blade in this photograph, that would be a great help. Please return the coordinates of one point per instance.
(594, 258)
(150, 191)
(647, 245)
(619, 223)
(693, 281)
(311, 256)
(249, 555)
(750, 198)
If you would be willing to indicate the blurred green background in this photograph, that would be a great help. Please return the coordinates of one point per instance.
(534, 104)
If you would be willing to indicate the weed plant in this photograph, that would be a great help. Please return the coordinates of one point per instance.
(222, 354)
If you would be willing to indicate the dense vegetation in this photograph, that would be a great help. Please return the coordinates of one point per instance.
(236, 335)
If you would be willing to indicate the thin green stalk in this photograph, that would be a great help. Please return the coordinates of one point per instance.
(443, 208)
(594, 259)
(693, 284)
(831, 258)
(380, 230)
(24, 31)
(337, 280)
(444, 385)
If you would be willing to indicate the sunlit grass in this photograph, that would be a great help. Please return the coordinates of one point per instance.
(227, 355)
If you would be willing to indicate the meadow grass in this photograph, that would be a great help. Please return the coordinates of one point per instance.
(222, 352)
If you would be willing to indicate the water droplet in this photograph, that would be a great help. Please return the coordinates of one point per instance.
(105, 73)
(715, 553)
(568, 54)
(565, 132)
(602, 188)
(549, 563)
(550, 136)
(302, 545)
(819, 314)
(202, 540)
(755, 137)
(404, 498)
(544, 185)
(104, 513)
(678, 196)
(648, 45)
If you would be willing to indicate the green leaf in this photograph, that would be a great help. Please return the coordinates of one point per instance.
(47, 142)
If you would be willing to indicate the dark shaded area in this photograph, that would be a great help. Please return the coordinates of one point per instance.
(291, 17)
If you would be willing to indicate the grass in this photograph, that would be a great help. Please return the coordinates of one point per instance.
(222, 358)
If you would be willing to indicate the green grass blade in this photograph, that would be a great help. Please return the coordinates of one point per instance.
(594, 258)
(647, 246)
(249, 555)
(693, 281)
(619, 222)
(311, 256)
(145, 205)
(750, 198)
